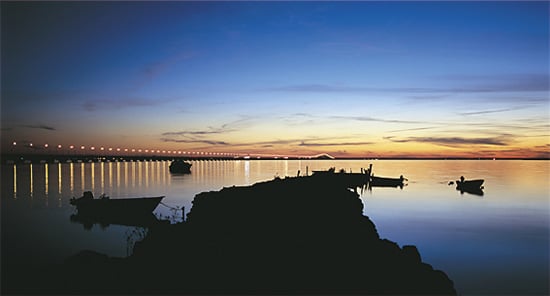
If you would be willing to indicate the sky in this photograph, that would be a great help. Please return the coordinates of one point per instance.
(351, 79)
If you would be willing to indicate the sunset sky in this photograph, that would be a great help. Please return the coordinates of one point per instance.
(353, 79)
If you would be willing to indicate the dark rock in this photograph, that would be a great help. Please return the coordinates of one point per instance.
(293, 235)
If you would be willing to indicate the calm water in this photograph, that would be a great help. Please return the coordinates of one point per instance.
(497, 243)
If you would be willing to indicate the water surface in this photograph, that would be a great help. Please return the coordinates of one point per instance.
(497, 243)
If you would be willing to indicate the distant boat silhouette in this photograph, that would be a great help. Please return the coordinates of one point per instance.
(386, 182)
(180, 167)
(470, 186)
(105, 207)
(375, 181)
(350, 180)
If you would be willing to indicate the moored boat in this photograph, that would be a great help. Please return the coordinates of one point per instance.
(470, 186)
(180, 167)
(386, 182)
(350, 180)
(108, 207)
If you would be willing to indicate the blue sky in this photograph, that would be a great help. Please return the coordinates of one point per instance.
(349, 79)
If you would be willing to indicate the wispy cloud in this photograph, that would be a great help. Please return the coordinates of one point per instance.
(490, 111)
(204, 136)
(92, 105)
(454, 84)
(510, 82)
(317, 144)
(330, 88)
(152, 70)
(451, 141)
(211, 131)
(39, 126)
(376, 119)
(412, 129)
(209, 142)
(228, 127)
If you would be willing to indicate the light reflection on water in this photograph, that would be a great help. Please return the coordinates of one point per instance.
(495, 243)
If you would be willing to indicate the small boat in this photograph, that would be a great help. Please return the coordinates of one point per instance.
(350, 180)
(180, 167)
(470, 186)
(112, 207)
(386, 182)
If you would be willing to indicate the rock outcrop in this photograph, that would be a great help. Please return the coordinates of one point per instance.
(299, 235)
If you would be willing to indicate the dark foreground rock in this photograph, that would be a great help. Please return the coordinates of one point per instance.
(286, 236)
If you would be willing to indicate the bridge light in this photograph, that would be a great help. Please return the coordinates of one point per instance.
(71, 147)
(92, 148)
(14, 143)
(82, 147)
(59, 146)
(46, 145)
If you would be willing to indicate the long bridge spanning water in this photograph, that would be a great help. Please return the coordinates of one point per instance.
(55, 158)
(33, 153)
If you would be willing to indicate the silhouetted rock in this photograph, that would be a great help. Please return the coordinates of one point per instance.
(293, 235)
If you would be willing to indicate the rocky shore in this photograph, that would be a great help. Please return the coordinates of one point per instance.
(303, 235)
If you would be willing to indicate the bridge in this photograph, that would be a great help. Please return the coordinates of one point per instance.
(32, 153)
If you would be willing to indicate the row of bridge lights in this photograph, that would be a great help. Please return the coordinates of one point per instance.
(110, 149)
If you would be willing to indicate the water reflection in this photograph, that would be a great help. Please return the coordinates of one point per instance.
(247, 171)
(473, 191)
(59, 180)
(15, 181)
(31, 179)
(88, 221)
(445, 227)
(71, 170)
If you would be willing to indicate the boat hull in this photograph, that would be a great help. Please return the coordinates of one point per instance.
(470, 184)
(385, 182)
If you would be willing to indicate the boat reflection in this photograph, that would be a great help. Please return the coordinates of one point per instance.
(470, 186)
(474, 191)
(88, 220)
(387, 185)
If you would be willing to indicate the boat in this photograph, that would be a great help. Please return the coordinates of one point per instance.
(180, 167)
(350, 180)
(386, 182)
(105, 206)
(470, 183)
(470, 186)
